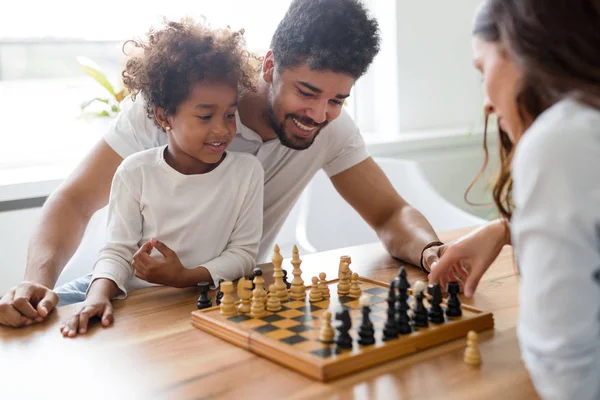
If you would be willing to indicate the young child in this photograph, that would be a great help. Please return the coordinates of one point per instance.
(541, 70)
(189, 211)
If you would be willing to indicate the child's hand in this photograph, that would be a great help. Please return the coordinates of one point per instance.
(91, 307)
(168, 271)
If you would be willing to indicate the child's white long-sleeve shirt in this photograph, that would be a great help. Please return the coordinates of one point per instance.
(556, 236)
(212, 220)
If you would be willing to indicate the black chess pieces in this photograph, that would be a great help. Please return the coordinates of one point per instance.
(343, 339)
(204, 301)
(436, 313)
(287, 284)
(219, 293)
(366, 333)
(401, 306)
(390, 329)
(453, 304)
(419, 318)
(251, 279)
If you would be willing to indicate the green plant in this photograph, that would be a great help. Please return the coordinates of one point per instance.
(101, 106)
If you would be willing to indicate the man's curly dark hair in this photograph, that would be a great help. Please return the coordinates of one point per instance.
(165, 66)
(334, 35)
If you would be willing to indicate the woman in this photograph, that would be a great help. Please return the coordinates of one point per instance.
(541, 69)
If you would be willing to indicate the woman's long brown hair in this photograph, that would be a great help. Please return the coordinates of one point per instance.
(556, 46)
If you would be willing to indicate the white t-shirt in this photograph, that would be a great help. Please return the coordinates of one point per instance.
(212, 220)
(338, 147)
(556, 236)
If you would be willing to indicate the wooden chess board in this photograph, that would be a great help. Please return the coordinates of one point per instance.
(290, 336)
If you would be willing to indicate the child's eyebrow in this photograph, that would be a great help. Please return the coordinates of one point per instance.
(234, 104)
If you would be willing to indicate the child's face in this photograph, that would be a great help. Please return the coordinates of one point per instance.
(204, 125)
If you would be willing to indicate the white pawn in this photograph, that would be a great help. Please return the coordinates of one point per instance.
(344, 282)
(472, 354)
(355, 290)
(323, 286)
(273, 302)
(227, 302)
(259, 296)
(244, 288)
(315, 294)
(326, 333)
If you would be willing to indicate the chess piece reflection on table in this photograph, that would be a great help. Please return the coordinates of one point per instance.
(472, 355)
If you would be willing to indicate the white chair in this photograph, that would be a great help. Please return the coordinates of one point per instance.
(327, 222)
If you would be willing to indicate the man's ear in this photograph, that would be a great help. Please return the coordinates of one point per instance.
(268, 67)
(161, 118)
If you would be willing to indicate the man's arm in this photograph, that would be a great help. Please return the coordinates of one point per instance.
(64, 218)
(66, 213)
(403, 230)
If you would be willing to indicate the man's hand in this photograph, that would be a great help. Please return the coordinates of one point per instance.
(93, 306)
(26, 303)
(168, 272)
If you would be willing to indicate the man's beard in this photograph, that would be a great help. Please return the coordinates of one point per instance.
(291, 141)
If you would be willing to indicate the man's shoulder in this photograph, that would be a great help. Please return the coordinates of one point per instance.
(247, 163)
(142, 160)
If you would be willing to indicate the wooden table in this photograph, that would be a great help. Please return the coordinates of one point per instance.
(153, 352)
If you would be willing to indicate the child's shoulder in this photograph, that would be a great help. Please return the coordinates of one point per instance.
(245, 162)
(143, 159)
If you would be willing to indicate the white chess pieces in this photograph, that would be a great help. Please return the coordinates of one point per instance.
(472, 354)
(227, 302)
(326, 333)
(244, 292)
(323, 286)
(280, 287)
(259, 296)
(297, 290)
(315, 294)
(355, 290)
(344, 260)
(344, 282)
(273, 303)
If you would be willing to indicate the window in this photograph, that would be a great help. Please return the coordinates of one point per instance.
(42, 85)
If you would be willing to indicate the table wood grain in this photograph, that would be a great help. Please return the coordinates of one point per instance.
(153, 352)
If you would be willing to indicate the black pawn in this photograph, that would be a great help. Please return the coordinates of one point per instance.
(343, 339)
(366, 333)
(453, 309)
(419, 312)
(219, 293)
(204, 300)
(436, 313)
(390, 329)
(401, 306)
(287, 284)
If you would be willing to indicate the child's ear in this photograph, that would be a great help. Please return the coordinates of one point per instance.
(161, 118)
(268, 67)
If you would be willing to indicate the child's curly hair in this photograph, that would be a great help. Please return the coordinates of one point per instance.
(180, 54)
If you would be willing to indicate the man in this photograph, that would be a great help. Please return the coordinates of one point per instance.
(294, 124)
